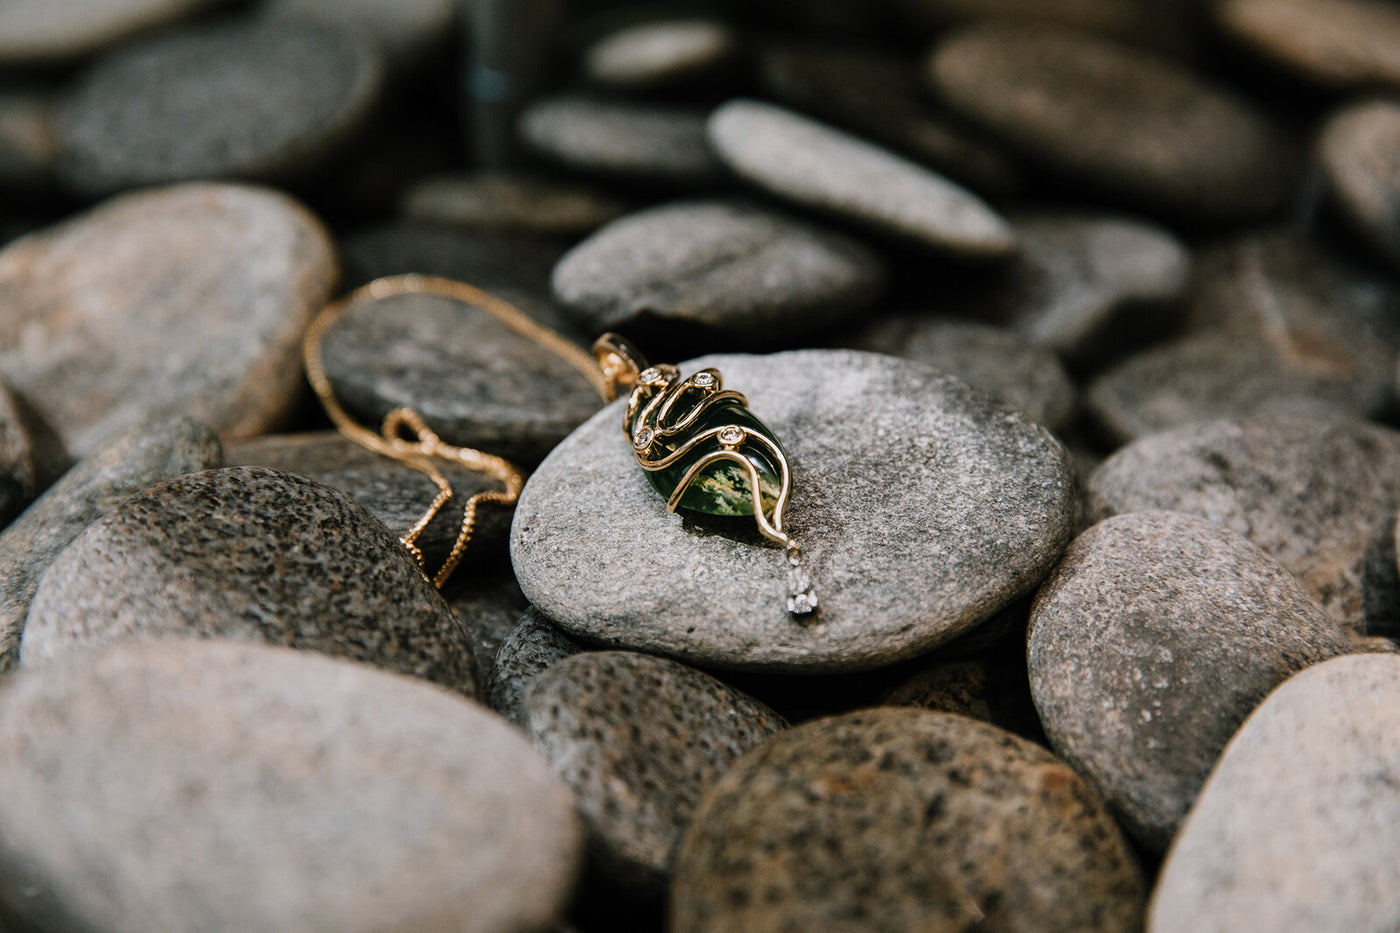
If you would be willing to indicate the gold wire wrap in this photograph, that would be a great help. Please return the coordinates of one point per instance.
(423, 447)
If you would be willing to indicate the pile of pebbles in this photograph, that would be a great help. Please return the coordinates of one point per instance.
(1079, 322)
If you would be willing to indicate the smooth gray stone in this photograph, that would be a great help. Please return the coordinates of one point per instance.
(394, 493)
(1289, 832)
(189, 300)
(260, 102)
(638, 738)
(28, 139)
(1003, 364)
(1338, 43)
(664, 54)
(723, 266)
(1115, 119)
(819, 167)
(251, 555)
(902, 819)
(40, 32)
(1154, 638)
(649, 144)
(96, 485)
(233, 787)
(1277, 324)
(408, 31)
(476, 381)
(488, 200)
(533, 646)
(1359, 148)
(922, 508)
(1311, 492)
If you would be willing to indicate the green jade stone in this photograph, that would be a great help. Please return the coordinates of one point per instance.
(723, 488)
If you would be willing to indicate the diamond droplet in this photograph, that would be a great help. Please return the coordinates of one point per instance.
(703, 380)
(651, 376)
(802, 595)
(731, 435)
(643, 438)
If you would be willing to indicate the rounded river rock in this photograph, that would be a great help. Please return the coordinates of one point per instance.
(184, 300)
(227, 787)
(1155, 637)
(1340, 43)
(251, 555)
(901, 819)
(1288, 834)
(638, 738)
(922, 507)
(35, 32)
(533, 646)
(1359, 149)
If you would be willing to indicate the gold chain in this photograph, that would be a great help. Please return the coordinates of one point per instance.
(423, 447)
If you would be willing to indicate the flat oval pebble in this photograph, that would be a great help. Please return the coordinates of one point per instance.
(251, 555)
(533, 646)
(1359, 149)
(1157, 634)
(226, 787)
(1125, 20)
(999, 362)
(922, 508)
(474, 379)
(394, 493)
(721, 266)
(184, 300)
(37, 32)
(1340, 43)
(638, 739)
(409, 31)
(1288, 833)
(819, 167)
(510, 201)
(1311, 492)
(650, 144)
(1116, 119)
(901, 819)
(269, 102)
(124, 466)
(662, 54)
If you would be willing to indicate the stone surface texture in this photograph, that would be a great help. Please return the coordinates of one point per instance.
(224, 787)
(1154, 638)
(408, 31)
(251, 555)
(922, 508)
(900, 819)
(533, 646)
(1359, 148)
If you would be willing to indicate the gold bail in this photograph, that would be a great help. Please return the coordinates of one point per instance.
(620, 361)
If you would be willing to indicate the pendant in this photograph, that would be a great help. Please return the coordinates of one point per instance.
(704, 451)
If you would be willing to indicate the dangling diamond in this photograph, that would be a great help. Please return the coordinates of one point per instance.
(802, 595)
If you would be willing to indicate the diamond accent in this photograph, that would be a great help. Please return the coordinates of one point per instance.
(730, 435)
(643, 438)
(703, 380)
(651, 376)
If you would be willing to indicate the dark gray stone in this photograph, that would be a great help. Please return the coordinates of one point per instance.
(992, 688)
(1157, 26)
(96, 485)
(901, 819)
(649, 144)
(1359, 149)
(922, 508)
(1157, 634)
(532, 647)
(724, 266)
(819, 167)
(510, 201)
(396, 494)
(19, 468)
(662, 55)
(1115, 119)
(266, 103)
(1277, 325)
(28, 139)
(1311, 492)
(186, 300)
(250, 555)
(487, 603)
(1003, 364)
(1338, 43)
(1284, 836)
(41, 32)
(638, 739)
(230, 787)
(408, 31)
(475, 380)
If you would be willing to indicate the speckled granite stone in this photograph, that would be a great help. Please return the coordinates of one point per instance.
(184, 300)
(1155, 637)
(1289, 832)
(230, 787)
(533, 646)
(922, 507)
(991, 687)
(639, 738)
(900, 819)
(820, 167)
(95, 486)
(252, 555)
